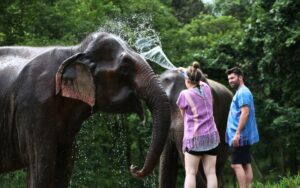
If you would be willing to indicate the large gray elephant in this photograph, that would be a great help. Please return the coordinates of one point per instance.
(47, 93)
(173, 83)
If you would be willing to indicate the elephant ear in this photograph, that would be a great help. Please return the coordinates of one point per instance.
(74, 80)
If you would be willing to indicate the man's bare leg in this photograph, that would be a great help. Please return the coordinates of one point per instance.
(240, 174)
(249, 174)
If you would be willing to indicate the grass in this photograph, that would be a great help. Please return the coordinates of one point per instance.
(285, 182)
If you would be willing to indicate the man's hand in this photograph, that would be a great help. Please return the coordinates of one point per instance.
(245, 110)
(236, 140)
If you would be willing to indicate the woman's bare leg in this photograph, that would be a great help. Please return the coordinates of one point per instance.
(191, 169)
(209, 166)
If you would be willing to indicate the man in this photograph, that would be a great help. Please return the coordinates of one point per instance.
(241, 129)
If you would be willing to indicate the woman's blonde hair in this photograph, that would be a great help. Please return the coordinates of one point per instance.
(194, 73)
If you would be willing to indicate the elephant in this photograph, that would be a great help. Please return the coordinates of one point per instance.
(48, 92)
(173, 83)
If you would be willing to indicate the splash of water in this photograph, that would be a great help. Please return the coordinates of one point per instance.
(119, 157)
(138, 32)
(144, 44)
(157, 55)
(150, 48)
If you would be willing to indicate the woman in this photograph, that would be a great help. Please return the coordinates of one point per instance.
(201, 137)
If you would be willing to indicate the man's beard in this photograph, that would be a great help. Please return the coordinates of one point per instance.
(235, 85)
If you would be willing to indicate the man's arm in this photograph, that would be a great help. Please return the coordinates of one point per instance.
(242, 123)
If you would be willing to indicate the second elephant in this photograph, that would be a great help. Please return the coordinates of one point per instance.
(173, 83)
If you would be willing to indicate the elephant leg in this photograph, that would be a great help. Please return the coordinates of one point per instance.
(64, 166)
(168, 166)
(41, 161)
(37, 141)
(222, 160)
(220, 179)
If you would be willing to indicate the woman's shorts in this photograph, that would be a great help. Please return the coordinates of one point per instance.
(213, 152)
(240, 155)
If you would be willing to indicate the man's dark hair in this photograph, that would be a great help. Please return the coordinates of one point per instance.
(236, 71)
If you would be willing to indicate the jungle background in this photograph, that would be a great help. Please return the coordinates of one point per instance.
(262, 37)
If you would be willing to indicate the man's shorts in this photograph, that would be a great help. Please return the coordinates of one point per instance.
(213, 152)
(240, 155)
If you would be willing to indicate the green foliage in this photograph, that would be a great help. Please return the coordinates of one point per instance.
(62, 22)
(15, 179)
(211, 40)
(185, 10)
(235, 8)
(286, 182)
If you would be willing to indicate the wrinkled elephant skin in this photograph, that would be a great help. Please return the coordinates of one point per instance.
(173, 84)
(46, 93)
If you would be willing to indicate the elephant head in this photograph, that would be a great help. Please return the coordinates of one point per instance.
(109, 76)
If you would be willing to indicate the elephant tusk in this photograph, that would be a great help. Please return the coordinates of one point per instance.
(136, 173)
(143, 122)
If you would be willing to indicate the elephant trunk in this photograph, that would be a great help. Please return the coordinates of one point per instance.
(156, 99)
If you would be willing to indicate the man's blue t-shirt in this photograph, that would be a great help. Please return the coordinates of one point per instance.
(249, 134)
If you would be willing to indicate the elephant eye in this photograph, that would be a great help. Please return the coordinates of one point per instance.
(126, 68)
(166, 81)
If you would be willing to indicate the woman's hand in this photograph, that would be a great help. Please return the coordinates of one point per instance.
(181, 69)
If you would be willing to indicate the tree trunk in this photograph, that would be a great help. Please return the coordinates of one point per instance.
(293, 163)
(282, 157)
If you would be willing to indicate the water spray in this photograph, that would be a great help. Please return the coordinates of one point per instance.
(152, 51)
